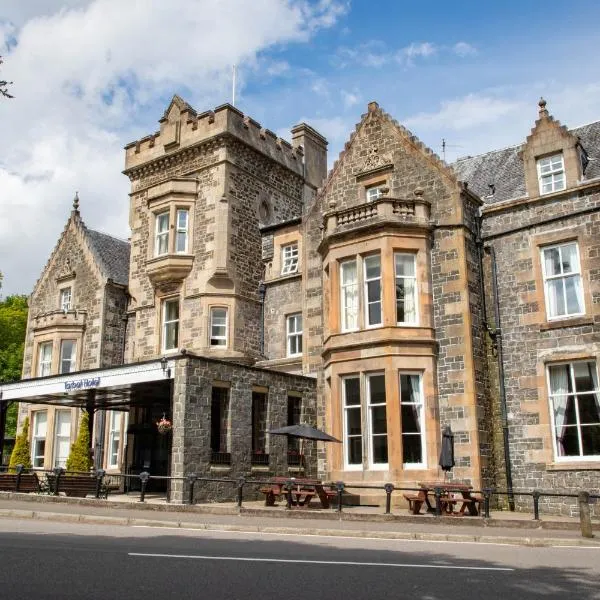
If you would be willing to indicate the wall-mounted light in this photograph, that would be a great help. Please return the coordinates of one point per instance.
(164, 364)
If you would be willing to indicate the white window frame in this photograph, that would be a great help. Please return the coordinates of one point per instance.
(366, 303)
(576, 274)
(346, 435)
(294, 334)
(182, 230)
(37, 436)
(218, 339)
(374, 192)
(66, 298)
(161, 236)
(167, 323)
(370, 435)
(72, 360)
(45, 359)
(347, 310)
(551, 396)
(61, 461)
(289, 258)
(421, 406)
(115, 424)
(415, 290)
(551, 174)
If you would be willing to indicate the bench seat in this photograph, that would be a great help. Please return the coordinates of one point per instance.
(27, 482)
(415, 501)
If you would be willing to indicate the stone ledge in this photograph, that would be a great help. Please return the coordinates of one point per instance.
(574, 466)
(567, 322)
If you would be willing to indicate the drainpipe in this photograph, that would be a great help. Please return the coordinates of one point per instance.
(262, 290)
(497, 337)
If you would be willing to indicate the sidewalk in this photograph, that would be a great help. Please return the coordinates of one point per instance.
(501, 528)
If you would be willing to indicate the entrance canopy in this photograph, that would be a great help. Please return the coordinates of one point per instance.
(125, 385)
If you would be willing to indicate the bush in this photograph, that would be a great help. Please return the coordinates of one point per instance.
(21, 454)
(79, 456)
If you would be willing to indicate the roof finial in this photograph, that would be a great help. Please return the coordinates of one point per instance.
(76, 202)
(542, 105)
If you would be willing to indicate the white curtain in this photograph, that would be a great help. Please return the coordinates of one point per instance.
(415, 396)
(553, 286)
(559, 388)
(410, 305)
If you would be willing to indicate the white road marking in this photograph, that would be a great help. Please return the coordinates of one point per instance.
(319, 562)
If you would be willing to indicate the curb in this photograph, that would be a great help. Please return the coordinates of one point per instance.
(350, 533)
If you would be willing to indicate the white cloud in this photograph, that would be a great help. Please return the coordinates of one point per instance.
(463, 49)
(406, 56)
(350, 98)
(87, 81)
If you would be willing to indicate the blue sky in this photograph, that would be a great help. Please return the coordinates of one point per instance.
(93, 75)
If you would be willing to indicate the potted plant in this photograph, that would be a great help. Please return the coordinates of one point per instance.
(164, 426)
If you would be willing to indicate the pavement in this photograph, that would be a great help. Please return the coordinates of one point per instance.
(355, 522)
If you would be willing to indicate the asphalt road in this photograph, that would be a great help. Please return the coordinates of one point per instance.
(63, 560)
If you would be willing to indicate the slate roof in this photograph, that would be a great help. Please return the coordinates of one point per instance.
(112, 254)
(504, 168)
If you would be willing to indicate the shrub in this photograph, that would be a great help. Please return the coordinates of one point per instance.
(21, 454)
(79, 456)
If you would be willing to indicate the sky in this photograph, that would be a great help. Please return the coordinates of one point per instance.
(90, 76)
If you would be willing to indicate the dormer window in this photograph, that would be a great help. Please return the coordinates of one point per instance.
(551, 173)
(289, 259)
(65, 299)
(374, 193)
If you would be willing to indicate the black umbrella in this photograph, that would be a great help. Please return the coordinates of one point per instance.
(306, 432)
(447, 453)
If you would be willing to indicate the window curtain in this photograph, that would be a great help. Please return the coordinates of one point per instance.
(559, 387)
(415, 396)
(410, 305)
(596, 395)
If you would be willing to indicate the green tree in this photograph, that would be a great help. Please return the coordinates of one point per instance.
(21, 454)
(79, 456)
(13, 325)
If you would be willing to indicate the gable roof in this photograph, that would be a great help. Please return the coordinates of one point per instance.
(112, 254)
(504, 168)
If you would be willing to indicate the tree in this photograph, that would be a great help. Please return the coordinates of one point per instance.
(4, 85)
(79, 456)
(13, 325)
(21, 454)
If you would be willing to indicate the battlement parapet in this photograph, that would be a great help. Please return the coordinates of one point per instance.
(181, 127)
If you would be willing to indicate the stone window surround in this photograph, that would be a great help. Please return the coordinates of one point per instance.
(56, 336)
(547, 455)
(295, 333)
(554, 238)
(62, 291)
(170, 205)
(388, 283)
(162, 300)
(371, 181)
(551, 174)
(50, 429)
(280, 240)
(287, 262)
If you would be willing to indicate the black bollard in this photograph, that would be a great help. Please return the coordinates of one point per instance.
(389, 488)
(487, 492)
(240, 490)
(340, 490)
(144, 476)
(536, 505)
(191, 481)
(99, 477)
(58, 471)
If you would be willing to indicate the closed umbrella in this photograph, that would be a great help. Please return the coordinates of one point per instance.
(447, 453)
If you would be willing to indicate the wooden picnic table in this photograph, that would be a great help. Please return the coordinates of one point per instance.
(302, 491)
(451, 494)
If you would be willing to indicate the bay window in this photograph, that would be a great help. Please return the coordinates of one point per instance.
(406, 288)
(575, 408)
(62, 437)
(372, 271)
(181, 239)
(68, 356)
(45, 359)
(38, 441)
(412, 420)
(352, 422)
(161, 236)
(218, 327)
(377, 418)
(349, 295)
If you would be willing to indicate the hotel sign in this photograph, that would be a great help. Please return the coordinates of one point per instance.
(82, 384)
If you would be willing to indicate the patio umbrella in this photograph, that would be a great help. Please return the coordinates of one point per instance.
(447, 454)
(304, 431)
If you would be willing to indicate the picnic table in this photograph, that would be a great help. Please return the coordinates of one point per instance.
(452, 495)
(302, 491)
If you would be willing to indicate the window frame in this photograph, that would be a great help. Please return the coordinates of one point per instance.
(345, 435)
(365, 298)
(58, 437)
(159, 234)
(65, 306)
(421, 404)
(224, 403)
(344, 311)
(72, 361)
(377, 188)
(294, 336)
(414, 323)
(185, 231)
(580, 457)
(35, 415)
(44, 367)
(562, 276)
(551, 174)
(290, 263)
(165, 324)
(212, 325)
(114, 434)
(369, 405)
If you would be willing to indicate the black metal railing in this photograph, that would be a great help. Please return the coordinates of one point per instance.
(220, 458)
(295, 459)
(259, 458)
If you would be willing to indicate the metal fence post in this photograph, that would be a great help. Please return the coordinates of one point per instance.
(240, 490)
(19, 470)
(191, 482)
(99, 477)
(536, 504)
(58, 471)
(585, 520)
(389, 488)
(438, 501)
(487, 492)
(340, 490)
(144, 476)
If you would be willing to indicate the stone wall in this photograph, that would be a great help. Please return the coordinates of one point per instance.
(191, 453)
